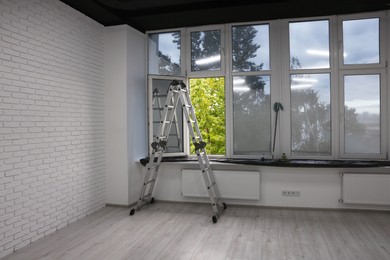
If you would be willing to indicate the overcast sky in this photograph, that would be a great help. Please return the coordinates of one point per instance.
(309, 43)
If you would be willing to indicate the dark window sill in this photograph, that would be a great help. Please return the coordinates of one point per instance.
(287, 163)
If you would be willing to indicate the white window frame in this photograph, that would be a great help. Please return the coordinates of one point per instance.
(382, 42)
(205, 73)
(366, 69)
(383, 117)
(272, 72)
(280, 81)
(286, 91)
(182, 49)
(150, 115)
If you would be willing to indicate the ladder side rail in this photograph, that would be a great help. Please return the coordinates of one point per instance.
(163, 119)
(150, 169)
(188, 103)
(205, 168)
(177, 129)
(165, 126)
(153, 166)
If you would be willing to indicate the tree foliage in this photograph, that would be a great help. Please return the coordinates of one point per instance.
(208, 98)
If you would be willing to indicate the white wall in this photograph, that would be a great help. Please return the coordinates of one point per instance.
(319, 187)
(51, 119)
(125, 97)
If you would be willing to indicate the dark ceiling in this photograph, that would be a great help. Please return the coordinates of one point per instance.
(147, 15)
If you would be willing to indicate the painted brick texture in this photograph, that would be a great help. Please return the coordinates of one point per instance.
(51, 119)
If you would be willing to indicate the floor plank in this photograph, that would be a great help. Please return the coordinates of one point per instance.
(185, 231)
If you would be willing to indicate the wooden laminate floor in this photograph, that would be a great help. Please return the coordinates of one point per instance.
(185, 231)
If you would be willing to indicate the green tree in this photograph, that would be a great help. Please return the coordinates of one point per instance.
(208, 98)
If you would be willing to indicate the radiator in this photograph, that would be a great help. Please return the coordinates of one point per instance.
(231, 184)
(359, 188)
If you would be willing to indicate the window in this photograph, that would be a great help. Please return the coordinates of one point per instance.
(329, 73)
(164, 53)
(158, 90)
(252, 115)
(309, 44)
(362, 114)
(250, 48)
(310, 88)
(206, 50)
(361, 78)
(208, 99)
(361, 41)
(310, 114)
(251, 85)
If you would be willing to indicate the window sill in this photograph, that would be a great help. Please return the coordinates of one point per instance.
(280, 163)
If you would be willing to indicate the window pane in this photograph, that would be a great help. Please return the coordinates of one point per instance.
(309, 45)
(251, 115)
(164, 53)
(310, 114)
(250, 46)
(362, 114)
(208, 98)
(175, 140)
(206, 50)
(361, 41)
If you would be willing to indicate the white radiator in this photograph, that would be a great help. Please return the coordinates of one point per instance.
(231, 184)
(359, 188)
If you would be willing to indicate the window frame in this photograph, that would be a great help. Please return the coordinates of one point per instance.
(382, 43)
(149, 95)
(280, 74)
(271, 72)
(286, 116)
(206, 73)
(383, 115)
(182, 50)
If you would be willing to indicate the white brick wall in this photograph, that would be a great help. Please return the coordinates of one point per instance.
(51, 119)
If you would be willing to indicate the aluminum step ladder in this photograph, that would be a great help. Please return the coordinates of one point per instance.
(178, 91)
(158, 106)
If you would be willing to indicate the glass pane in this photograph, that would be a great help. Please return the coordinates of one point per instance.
(362, 114)
(361, 41)
(164, 53)
(251, 115)
(208, 98)
(309, 45)
(250, 46)
(175, 140)
(206, 50)
(310, 114)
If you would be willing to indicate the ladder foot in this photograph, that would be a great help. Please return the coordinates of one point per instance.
(224, 205)
(132, 211)
(151, 200)
(215, 219)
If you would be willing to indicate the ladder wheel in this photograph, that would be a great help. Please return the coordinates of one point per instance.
(132, 211)
(224, 205)
(214, 218)
(151, 200)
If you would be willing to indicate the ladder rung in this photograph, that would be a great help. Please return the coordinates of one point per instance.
(152, 180)
(158, 122)
(152, 167)
(146, 196)
(170, 107)
(212, 185)
(187, 106)
(158, 108)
